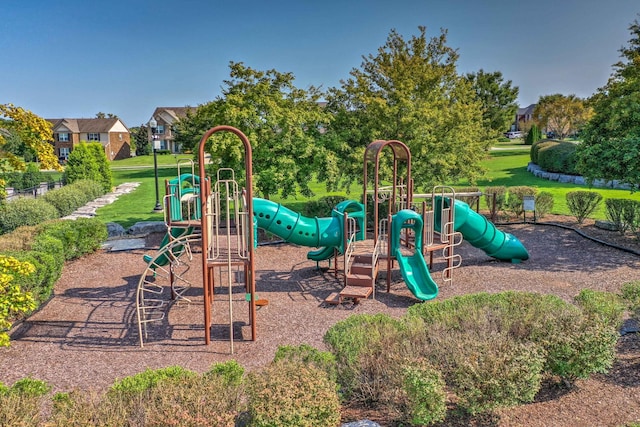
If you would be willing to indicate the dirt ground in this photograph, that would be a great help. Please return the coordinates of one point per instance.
(87, 336)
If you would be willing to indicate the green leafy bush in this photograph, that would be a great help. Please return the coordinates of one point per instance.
(582, 203)
(25, 211)
(425, 399)
(470, 200)
(144, 381)
(614, 211)
(495, 198)
(40, 282)
(308, 355)
(516, 198)
(292, 394)
(21, 403)
(604, 307)
(362, 345)
(92, 189)
(630, 293)
(322, 207)
(557, 156)
(79, 237)
(534, 135)
(66, 199)
(544, 203)
(104, 171)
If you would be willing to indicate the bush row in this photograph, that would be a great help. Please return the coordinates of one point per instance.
(47, 246)
(469, 354)
(54, 204)
(505, 201)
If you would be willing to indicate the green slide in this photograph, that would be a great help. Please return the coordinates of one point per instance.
(482, 233)
(323, 233)
(176, 232)
(413, 267)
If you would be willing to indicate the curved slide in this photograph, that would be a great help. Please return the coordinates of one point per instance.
(482, 233)
(323, 233)
(413, 267)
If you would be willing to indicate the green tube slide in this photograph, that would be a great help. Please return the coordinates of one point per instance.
(323, 233)
(482, 233)
(413, 267)
(162, 260)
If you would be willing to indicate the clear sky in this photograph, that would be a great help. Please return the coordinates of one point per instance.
(75, 58)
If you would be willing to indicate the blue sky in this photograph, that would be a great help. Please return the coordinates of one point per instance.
(74, 58)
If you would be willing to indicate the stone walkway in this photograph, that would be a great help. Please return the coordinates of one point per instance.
(89, 210)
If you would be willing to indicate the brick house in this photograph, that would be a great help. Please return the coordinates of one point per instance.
(524, 118)
(110, 132)
(166, 117)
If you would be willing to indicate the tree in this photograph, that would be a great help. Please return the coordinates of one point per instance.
(33, 131)
(560, 114)
(611, 140)
(410, 91)
(498, 100)
(82, 164)
(101, 115)
(140, 140)
(283, 124)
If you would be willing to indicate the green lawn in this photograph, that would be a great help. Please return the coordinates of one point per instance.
(506, 166)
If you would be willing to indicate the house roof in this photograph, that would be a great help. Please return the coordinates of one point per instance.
(526, 111)
(174, 113)
(94, 125)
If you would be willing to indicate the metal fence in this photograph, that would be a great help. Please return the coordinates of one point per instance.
(32, 192)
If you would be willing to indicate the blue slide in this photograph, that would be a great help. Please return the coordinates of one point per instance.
(413, 267)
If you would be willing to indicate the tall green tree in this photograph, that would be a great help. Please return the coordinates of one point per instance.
(611, 141)
(283, 123)
(410, 91)
(88, 161)
(561, 114)
(140, 140)
(498, 98)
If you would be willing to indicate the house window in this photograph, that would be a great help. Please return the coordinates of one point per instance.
(93, 137)
(63, 137)
(64, 153)
(160, 129)
(163, 144)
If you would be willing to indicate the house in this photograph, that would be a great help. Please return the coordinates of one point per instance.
(110, 132)
(166, 117)
(524, 118)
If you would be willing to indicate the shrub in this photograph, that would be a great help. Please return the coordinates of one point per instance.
(581, 204)
(630, 293)
(66, 199)
(25, 211)
(322, 207)
(495, 198)
(308, 355)
(92, 189)
(614, 211)
(362, 344)
(32, 176)
(535, 148)
(292, 394)
(470, 200)
(78, 237)
(556, 156)
(13, 300)
(47, 270)
(105, 177)
(516, 198)
(575, 343)
(544, 203)
(603, 307)
(144, 381)
(424, 391)
(21, 403)
(534, 135)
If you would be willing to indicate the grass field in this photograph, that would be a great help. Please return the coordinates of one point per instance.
(507, 166)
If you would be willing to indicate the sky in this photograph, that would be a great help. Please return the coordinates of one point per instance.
(75, 58)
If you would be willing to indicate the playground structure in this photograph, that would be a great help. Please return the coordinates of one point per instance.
(210, 214)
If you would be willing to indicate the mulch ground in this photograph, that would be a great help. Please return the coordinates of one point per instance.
(87, 336)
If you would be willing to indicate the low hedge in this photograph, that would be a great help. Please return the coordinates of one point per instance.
(47, 246)
(53, 204)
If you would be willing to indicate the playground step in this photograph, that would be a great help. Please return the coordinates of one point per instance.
(359, 280)
(361, 268)
(333, 299)
(356, 292)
